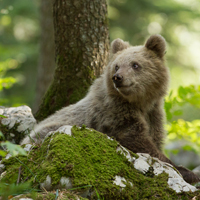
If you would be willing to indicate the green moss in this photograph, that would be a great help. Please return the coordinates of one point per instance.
(106, 21)
(89, 158)
(85, 80)
(134, 155)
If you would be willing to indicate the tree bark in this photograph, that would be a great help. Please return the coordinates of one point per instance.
(46, 64)
(82, 42)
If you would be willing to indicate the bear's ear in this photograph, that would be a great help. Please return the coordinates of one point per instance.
(118, 45)
(157, 44)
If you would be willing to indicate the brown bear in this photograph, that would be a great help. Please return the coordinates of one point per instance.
(125, 102)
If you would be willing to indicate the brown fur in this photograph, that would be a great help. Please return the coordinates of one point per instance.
(131, 108)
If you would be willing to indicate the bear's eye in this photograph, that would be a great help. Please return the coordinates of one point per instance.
(135, 66)
(116, 68)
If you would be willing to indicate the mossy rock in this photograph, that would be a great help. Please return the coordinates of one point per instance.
(90, 161)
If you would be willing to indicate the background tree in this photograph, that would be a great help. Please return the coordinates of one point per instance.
(81, 40)
(46, 65)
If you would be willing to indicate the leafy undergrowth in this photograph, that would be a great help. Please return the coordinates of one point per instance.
(181, 106)
(90, 159)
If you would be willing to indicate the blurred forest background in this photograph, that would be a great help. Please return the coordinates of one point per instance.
(177, 20)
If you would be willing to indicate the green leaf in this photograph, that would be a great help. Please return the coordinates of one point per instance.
(182, 92)
(2, 135)
(175, 151)
(187, 148)
(14, 149)
(178, 112)
(2, 153)
(2, 116)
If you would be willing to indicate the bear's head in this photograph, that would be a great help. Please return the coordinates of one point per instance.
(138, 73)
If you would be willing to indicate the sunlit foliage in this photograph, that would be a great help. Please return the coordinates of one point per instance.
(6, 82)
(19, 30)
(177, 126)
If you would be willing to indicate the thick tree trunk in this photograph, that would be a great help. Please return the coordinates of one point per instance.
(46, 64)
(82, 42)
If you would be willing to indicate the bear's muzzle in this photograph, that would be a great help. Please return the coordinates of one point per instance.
(117, 79)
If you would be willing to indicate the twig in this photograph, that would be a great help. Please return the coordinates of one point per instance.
(19, 175)
(44, 189)
(26, 178)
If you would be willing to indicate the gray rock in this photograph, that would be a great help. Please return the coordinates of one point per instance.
(28, 147)
(46, 184)
(65, 183)
(19, 121)
(175, 180)
(2, 167)
(197, 170)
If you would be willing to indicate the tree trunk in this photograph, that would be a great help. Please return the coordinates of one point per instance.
(46, 64)
(82, 42)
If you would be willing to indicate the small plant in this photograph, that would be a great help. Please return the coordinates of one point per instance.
(9, 190)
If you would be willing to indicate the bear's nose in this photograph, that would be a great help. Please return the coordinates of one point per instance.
(117, 79)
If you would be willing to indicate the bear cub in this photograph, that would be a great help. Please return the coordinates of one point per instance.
(125, 102)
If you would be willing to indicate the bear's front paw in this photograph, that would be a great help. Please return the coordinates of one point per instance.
(188, 176)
